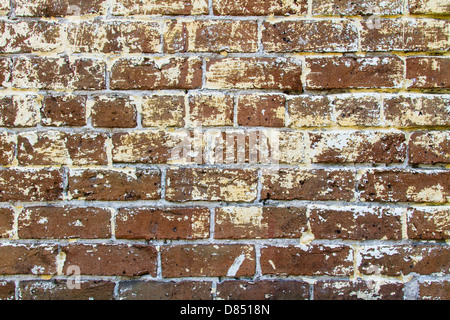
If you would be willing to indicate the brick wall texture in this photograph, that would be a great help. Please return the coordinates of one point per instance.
(224, 149)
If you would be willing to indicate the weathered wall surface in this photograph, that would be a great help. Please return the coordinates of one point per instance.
(224, 149)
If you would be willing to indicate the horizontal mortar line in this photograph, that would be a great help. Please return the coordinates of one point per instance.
(270, 242)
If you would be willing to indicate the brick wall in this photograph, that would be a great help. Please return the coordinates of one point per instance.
(224, 149)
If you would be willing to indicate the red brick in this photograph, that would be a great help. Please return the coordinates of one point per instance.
(208, 260)
(7, 290)
(428, 72)
(154, 73)
(431, 223)
(211, 36)
(428, 7)
(19, 111)
(260, 222)
(417, 110)
(30, 36)
(357, 7)
(358, 290)
(58, 290)
(308, 261)
(382, 35)
(51, 222)
(6, 222)
(160, 7)
(306, 184)
(310, 111)
(403, 260)
(261, 110)
(429, 147)
(434, 290)
(114, 37)
(30, 185)
(163, 111)
(58, 73)
(158, 290)
(5, 71)
(7, 148)
(113, 112)
(27, 259)
(108, 185)
(54, 147)
(354, 72)
(164, 223)
(405, 186)
(191, 184)
(357, 110)
(310, 35)
(59, 8)
(356, 223)
(259, 7)
(211, 109)
(254, 73)
(263, 290)
(65, 110)
(111, 259)
(357, 147)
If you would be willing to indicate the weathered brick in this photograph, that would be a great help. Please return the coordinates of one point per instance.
(259, 7)
(114, 37)
(30, 36)
(355, 223)
(111, 260)
(357, 147)
(399, 185)
(231, 260)
(310, 35)
(28, 259)
(164, 223)
(358, 7)
(55, 147)
(261, 110)
(158, 290)
(429, 147)
(109, 185)
(19, 111)
(211, 109)
(254, 73)
(427, 72)
(64, 110)
(30, 185)
(6, 222)
(156, 146)
(60, 8)
(59, 290)
(428, 7)
(7, 289)
(354, 72)
(434, 290)
(308, 184)
(5, 71)
(191, 184)
(211, 36)
(7, 148)
(163, 111)
(113, 112)
(417, 110)
(58, 73)
(4, 6)
(310, 111)
(357, 110)
(260, 222)
(382, 35)
(156, 73)
(429, 223)
(404, 259)
(263, 290)
(52, 222)
(336, 260)
(160, 7)
(358, 290)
